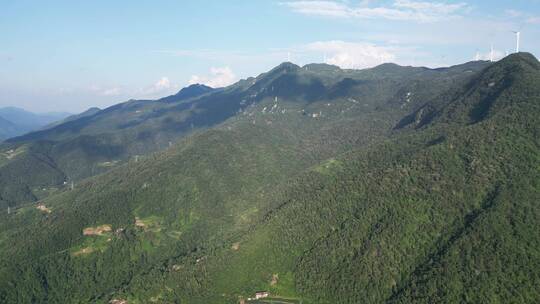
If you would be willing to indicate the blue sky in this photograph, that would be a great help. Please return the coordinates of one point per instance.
(71, 55)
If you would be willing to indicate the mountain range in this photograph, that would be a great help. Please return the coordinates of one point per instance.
(15, 121)
(313, 184)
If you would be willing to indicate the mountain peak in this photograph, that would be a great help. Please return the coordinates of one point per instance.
(522, 55)
(520, 59)
(511, 65)
(197, 87)
(286, 66)
(190, 91)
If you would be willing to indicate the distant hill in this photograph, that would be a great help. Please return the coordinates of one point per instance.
(8, 129)
(89, 112)
(22, 121)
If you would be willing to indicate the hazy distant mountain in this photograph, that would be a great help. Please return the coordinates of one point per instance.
(8, 129)
(23, 121)
(89, 112)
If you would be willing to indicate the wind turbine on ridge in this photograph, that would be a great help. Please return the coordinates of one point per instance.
(518, 34)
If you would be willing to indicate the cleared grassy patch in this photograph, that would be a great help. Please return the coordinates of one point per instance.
(151, 223)
(91, 244)
(12, 153)
(330, 166)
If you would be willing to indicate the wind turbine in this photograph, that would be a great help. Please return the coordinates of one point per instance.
(491, 54)
(518, 33)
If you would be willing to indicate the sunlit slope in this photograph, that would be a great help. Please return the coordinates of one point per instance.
(446, 213)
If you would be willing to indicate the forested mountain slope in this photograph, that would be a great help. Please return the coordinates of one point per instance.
(95, 143)
(389, 185)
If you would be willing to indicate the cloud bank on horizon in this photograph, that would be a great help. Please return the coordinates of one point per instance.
(66, 60)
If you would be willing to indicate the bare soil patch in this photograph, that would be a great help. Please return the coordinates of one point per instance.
(99, 230)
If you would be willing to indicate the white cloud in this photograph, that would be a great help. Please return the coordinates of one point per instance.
(220, 77)
(533, 20)
(159, 88)
(321, 8)
(431, 8)
(404, 10)
(112, 92)
(529, 18)
(99, 90)
(162, 86)
(514, 13)
(352, 54)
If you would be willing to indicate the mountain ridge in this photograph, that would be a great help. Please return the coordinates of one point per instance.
(139, 127)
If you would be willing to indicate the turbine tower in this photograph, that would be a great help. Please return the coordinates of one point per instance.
(491, 53)
(518, 34)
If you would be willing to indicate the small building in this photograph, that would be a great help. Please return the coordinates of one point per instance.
(261, 295)
(42, 207)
